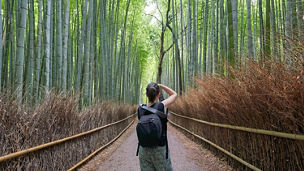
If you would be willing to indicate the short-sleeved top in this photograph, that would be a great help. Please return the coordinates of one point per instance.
(159, 106)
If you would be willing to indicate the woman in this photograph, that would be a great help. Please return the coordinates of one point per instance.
(157, 158)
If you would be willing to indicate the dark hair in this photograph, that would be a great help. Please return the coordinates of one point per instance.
(152, 91)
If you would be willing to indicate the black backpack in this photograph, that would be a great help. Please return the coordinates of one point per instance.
(149, 127)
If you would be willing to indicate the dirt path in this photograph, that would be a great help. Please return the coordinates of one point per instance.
(185, 155)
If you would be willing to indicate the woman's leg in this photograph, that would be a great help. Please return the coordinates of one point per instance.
(145, 159)
(159, 159)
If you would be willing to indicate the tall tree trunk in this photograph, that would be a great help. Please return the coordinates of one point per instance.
(279, 28)
(122, 55)
(222, 35)
(5, 43)
(235, 28)
(38, 48)
(194, 39)
(80, 48)
(242, 36)
(53, 58)
(211, 39)
(215, 47)
(249, 32)
(262, 39)
(254, 28)
(115, 48)
(189, 42)
(110, 45)
(174, 32)
(59, 44)
(65, 46)
(47, 45)
(205, 28)
(182, 41)
(70, 75)
(273, 29)
(102, 49)
(200, 42)
(95, 75)
(160, 57)
(231, 53)
(162, 51)
(86, 75)
(267, 31)
(126, 88)
(30, 56)
(288, 30)
(300, 19)
(13, 49)
(20, 48)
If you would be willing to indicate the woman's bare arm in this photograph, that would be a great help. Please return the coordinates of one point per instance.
(172, 95)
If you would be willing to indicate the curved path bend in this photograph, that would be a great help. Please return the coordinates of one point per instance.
(185, 155)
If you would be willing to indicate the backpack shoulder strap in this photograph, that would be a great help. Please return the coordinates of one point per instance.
(155, 111)
(138, 114)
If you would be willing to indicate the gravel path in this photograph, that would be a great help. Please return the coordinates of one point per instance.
(185, 155)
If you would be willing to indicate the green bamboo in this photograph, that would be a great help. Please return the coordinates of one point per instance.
(20, 48)
(38, 52)
(231, 53)
(86, 75)
(47, 46)
(30, 54)
(59, 60)
(65, 46)
(249, 32)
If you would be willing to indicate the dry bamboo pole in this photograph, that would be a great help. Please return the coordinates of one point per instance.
(218, 147)
(99, 149)
(251, 130)
(53, 143)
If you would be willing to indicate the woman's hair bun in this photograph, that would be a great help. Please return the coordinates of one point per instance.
(152, 91)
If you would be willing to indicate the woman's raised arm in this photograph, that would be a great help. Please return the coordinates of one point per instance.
(172, 95)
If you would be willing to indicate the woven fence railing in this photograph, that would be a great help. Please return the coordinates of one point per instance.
(99, 149)
(60, 141)
(252, 130)
(239, 128)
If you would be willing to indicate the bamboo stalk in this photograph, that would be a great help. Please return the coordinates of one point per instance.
(99, 149)
(53, 143)
(218, 147)
(251, 130)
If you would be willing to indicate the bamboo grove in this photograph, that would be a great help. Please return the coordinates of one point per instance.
(86, 47)
(209, 36)
(102, 49)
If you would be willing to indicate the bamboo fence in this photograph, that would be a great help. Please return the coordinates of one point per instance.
(53, 143)
(251, 130)
(219, 148)
(239, 128)
(99, 149)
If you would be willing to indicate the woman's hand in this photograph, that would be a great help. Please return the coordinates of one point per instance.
(172, 95)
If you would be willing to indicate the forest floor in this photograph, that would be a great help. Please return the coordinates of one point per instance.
(185, 154)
